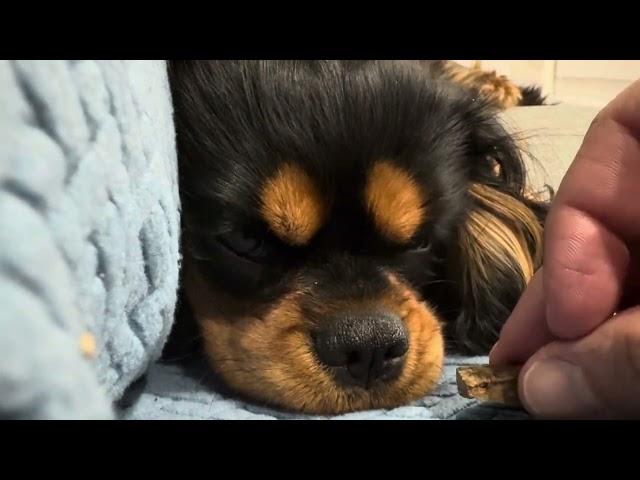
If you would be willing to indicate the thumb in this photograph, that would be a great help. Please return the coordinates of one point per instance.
(597, 376)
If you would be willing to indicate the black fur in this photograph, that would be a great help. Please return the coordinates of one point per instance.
(238, 120)
(532, 96)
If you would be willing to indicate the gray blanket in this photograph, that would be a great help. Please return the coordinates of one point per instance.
(89, 219)
(186, 392)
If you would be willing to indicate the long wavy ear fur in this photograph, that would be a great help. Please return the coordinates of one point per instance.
(499, 246)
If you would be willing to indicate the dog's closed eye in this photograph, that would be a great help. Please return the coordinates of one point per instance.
(244, 245)
(423, 246)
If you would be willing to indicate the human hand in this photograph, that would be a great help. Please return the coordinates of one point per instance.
(581, 361)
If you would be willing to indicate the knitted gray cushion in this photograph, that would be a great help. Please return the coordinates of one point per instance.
(89, 230)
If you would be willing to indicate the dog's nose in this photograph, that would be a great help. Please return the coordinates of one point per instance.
(363, 349)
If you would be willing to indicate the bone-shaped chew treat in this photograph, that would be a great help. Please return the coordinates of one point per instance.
(488, 384)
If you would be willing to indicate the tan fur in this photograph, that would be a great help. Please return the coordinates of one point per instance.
(514, 234)
(395, 201)
(292, 205)
(498, 88)
(271, 357)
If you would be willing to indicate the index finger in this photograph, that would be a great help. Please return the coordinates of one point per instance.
(594, 218)
(591, 221)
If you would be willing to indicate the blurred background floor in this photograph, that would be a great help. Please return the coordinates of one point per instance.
(551, 135)
(589, 83)
(576, 90)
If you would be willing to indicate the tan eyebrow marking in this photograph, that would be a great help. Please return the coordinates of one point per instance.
(395, 201)
(292, 205)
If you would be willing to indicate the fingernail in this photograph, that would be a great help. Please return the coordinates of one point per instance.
(558, 389)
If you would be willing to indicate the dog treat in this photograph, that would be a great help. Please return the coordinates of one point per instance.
(488, 384)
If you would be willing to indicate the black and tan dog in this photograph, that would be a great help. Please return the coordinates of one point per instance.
(343, 221)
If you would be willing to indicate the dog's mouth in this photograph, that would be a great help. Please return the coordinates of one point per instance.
(380, 354)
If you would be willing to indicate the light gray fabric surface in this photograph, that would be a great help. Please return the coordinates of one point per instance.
(186, 393)
(89, 219)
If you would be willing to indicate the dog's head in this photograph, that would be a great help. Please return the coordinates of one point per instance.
(341, 221)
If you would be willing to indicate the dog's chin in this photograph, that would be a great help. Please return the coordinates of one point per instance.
(270, 359)
(294, 380)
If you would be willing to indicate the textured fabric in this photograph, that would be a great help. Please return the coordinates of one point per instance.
(89, 217)
(171, 392)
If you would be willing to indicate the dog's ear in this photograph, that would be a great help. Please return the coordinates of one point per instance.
(499, 244)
